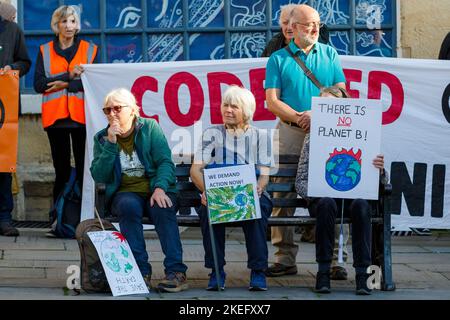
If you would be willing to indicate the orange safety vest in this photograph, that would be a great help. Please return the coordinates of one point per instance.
(62, 104)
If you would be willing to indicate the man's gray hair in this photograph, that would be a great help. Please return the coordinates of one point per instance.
(64, 12)
(241, 97)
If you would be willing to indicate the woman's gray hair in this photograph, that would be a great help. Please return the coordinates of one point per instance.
(122, 97)
(241, 97)
(64, 12)
(286, 8)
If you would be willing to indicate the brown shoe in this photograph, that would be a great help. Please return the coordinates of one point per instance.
(309, 234)
(278, 270)
(173, 282)
(6, 229)
(148, 281)
(338, 273)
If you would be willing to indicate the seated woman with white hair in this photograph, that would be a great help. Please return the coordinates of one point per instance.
(219, 148)
(133, 159)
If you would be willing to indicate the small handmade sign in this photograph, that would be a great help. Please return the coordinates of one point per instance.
(231, 193)
(345, 138)
(116, 257)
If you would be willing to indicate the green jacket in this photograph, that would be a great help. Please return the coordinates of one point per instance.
(153, 152)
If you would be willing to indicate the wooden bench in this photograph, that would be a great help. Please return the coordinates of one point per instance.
(188, 197)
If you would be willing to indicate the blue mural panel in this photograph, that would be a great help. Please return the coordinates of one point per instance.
(340, 40)
(247, 13)
(123, 48)
(333, 12)
(38, 14)
(206, 13)
(373, 13)
(376, 43)
(206, 46)
(247, 45)
(89, 12)
(165, 13)
(276, 4)
(123, 14)
(165, 47)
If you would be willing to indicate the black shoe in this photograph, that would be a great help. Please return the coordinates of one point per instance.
(278, 270)
(7, 229)
(361, 284)
(323, 282)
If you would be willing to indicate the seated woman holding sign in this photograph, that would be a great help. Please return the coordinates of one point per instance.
(233, 143)
(325, 210)
(133, 159)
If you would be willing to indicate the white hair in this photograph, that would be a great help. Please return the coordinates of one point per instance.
(123, 97)
(64, 12)
(241, 97)
(286, 8)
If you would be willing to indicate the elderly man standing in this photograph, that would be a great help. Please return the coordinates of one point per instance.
(288, 94)
(283, 38)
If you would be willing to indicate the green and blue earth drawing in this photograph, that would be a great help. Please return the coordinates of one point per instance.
(234, 203)
(343, 169)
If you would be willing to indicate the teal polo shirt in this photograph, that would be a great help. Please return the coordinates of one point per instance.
(296, 89)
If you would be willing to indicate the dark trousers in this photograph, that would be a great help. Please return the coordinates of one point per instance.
(6, 197)
(255, 238)
(60, 146)
(130, 208)
(325, 210)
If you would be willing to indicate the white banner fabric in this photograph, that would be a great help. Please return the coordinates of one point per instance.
(185, 97)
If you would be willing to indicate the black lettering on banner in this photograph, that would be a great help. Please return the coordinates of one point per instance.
(2, 113)
(413, 191)
(446, 104)
(437, 191)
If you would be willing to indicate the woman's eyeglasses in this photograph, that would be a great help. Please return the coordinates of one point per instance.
(117, 109)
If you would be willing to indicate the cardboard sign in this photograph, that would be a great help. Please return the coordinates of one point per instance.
(345, 138)
(9, 119)
(121, 269)
(231, 194)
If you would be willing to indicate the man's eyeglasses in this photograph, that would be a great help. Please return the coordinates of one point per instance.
(311, 24)
(116, 109)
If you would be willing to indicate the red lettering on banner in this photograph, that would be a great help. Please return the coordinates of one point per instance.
(139, 87)
(172, 103)
(376, 79)
(215, 79)
(352, 75)
(257, 77)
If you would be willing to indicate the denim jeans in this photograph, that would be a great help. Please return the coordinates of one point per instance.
(6, 198)
(255, 232)
(326, 210)
(130, 207)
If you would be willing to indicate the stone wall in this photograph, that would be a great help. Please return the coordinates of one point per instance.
(423, 26)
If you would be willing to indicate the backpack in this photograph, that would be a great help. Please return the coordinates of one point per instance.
(66, 211)
(93, 276)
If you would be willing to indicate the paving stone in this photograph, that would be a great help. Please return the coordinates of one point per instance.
(41, 255)
(26, 273)
(441, 267)
(33, 245)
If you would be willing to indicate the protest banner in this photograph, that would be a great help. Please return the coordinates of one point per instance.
(231, 193)
(345, 138)
(9, 119)
(122, 272)
(185, 98)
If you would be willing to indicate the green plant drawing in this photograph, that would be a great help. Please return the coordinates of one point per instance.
(234, 203)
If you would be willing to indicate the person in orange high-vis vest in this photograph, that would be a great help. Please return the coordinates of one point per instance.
(57, 77)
